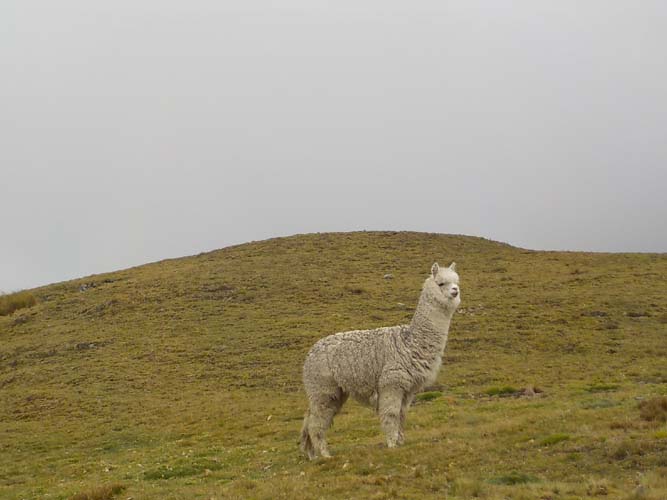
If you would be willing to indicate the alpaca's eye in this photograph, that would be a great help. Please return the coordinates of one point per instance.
(442, 284)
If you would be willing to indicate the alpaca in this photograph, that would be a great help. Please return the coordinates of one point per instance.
(383, 368)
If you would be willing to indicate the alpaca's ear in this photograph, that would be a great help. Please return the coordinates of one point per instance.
(434, 269)
(452, 266)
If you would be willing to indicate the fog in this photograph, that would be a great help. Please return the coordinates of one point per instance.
(132, 131)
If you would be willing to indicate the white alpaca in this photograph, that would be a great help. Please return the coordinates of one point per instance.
(383, 367)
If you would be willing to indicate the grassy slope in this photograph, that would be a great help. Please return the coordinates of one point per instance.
(181, 379)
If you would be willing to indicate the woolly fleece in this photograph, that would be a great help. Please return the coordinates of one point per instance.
(382, 367)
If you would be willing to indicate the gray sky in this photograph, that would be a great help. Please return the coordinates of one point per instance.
(137, 130)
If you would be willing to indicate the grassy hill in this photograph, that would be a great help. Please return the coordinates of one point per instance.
(181, 379)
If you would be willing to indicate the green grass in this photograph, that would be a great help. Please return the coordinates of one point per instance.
(661, 434)
(554, 439)
(428, 395)
(182, 378)
(601, 387)
(183, 468)
(506, 390)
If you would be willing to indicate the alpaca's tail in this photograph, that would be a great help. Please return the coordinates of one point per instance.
(306, 443)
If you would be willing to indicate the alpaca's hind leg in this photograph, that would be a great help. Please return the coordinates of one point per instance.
(405, 405)
(320, 420)
(306, 443)
(322, 412)
(390, 402)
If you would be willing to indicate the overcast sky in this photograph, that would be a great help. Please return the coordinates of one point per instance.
(136, 130)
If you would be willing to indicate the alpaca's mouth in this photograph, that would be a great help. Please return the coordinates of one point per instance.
(455, 294)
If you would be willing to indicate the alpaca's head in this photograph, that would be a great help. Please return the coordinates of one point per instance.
(444, 285)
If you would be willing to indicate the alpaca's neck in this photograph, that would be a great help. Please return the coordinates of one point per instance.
(430, 325)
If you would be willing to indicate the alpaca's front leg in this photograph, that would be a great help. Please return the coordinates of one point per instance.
(406, 403)
(390, 402)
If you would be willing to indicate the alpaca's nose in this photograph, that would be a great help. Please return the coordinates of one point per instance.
(455, 292)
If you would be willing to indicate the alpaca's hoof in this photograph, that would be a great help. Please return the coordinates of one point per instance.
(400, 439)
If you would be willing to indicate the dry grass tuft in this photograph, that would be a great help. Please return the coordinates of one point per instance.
(597, 487)
(14, 301)
(654, 409)
(623, 425)
(467, 488)
(106, 492)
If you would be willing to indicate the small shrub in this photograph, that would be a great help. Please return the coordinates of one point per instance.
(14, 301)
(654, 409)
(553, 439)
(506, 390)
(428, 396)
(512, 478)
(246, 484)
(623, 425)
(106, 492)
